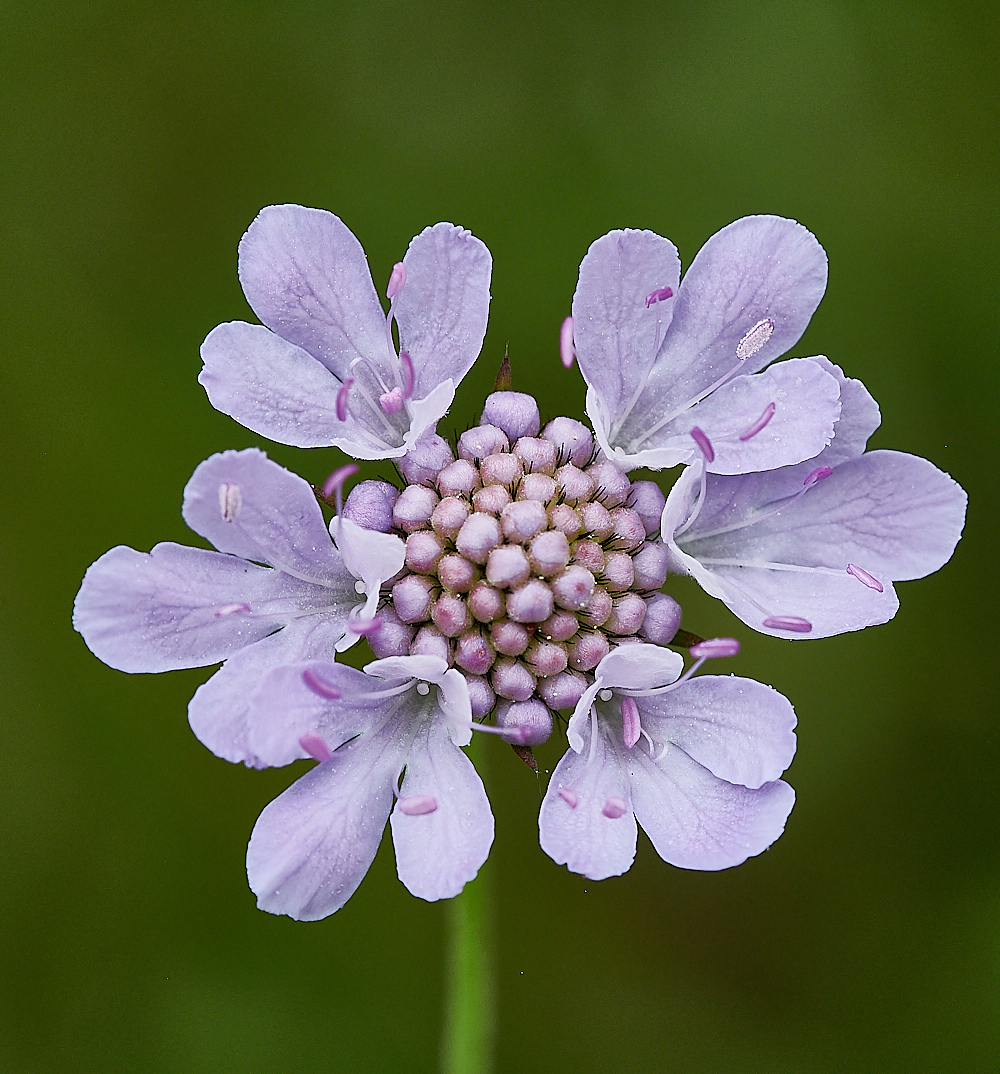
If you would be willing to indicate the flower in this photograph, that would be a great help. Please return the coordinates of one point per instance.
(695, 761)
(407, 716)
(180, 607)
(812, 550)
(322, 369)
(672, 366)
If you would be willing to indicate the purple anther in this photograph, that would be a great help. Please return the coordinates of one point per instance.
(320, 686)
(760, 423)
(755, 338)
(538, 487)
(392, 402)
(473, 654)
(365, 627)
(538, 456)
(569, 797)
(406, 365)
(500, 469)
(230, 501)
(559, 626)
(613, 485)
(864, 577)
(650, 565)
(565, 519)
(397, 280)
(598, 609)
(509, 638)
(566, 351)
(481, 696)
(422, 463)
(597, 521)
(663, 619)
(562, 691)
(336, 480)
(574, 484)
(479, 535)
(631, 727)
(522, 519)
(647, 500)
(512, 680)
(369, 504)
(713, 648)
(507, 567)
(449, 516)
(491, 499)
(619, 573)
(413, 510)
(588, 651)
(418, 805)
(573, 589)
(514, 412)
(394, 638)
(230, 609)
(486, 603)
(546, 658)
(614, 808)
(629, 531)
(817, 475)
(658, 295)
(548, 553)
(788, 622)
(532, 603)
(574, 442)
(456, 573)
(475, 444)
(317, 749)
(627, 615)
(458, 478)
(411, 597)
(342, 395)
(424, 550)
(451, 615)
(589, 554)
(429, 641)
(704, 444)
(525, 723)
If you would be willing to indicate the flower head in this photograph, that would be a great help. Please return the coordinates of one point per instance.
(322, 368)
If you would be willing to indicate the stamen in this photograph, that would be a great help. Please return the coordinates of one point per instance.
(392, 402)
(418, 805)
(760, 423)
(658, 296)
(568, 797)
(335, 482)
(715, 647)
(788, 622)
(862, 576)
(423, 689)
(631, 727)
(232, 609)
(365, 626)
(230, 501)
(704, 444)
(614, 808)
(408, 374)
(317, 749)
(566, 349)
(320, 686)
(817, 475)
(397, 280)
(342, 399)
(752, 342)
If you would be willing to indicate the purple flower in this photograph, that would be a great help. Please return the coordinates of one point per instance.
(180, 607)
(407, 716)
(812, 550)
(672, 368)
(695, 761)
(322, 369)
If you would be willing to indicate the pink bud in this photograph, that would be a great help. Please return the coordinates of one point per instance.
(500, 469)
(627, 615)
(613, 485)
(514, 412)
(507, 567)
(598, 609)
(572, 439)
(618, 572)
(449, 516)
(509, 638)
(411, 597)
(663, 619)
(574, 484)
(431, 642)
(565, 519)
(491, 499)
(629, 532)
(573, 588)
(481, 696)
(647, 500)
(423, 551)
(422, 463)
(650, 565)
(562, 691)
(451, 615)
(486, 603)
(532, 603)
(559, 626)
(413, 510)
(522, 519)
(394, 637)
(473, 654)
(588, 651)
(597, 521)
(538, 487)
(525, 723)
(475, 444)
(456, 574)
(549, 553)
(458, 478)
(369, 505)
(537, 456)
(589, 554)
(512, 680)
(479, 535)
(546, 658)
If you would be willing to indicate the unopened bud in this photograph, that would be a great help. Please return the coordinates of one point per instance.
(514, 412)
(663, 619)
(424, 461)
(370, 505)
(573, 441)
(525, 723)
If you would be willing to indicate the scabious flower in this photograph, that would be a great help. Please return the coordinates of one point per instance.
(391, 733)
(695, 761)
(180, 607)
(322, 369)
(812, 550)
(672, 365)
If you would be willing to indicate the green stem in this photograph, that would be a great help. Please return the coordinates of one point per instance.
(470, 1001)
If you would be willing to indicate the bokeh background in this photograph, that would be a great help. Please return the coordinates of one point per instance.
(139, 142)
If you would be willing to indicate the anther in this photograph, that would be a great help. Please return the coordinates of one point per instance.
(631, 727)
(566, 351)
(418, 805)
(752, 342)
(715, 647)
(817, 475)
(397, 280)
(704, 444)
(423, 689)
(760, 423)
(406, 364)
(864, 577)
(320, 686)
(345, 389)
(788, 622)
(568, 797)
(231, 609)
(658, 295)
(392, 402)
(317, 749)
(230, 501)
(614, 808)
(336, 480)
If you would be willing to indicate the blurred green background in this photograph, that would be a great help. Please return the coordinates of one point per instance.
(139, 142)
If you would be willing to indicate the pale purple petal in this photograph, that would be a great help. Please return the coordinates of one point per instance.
(739, 729)
(439, 851)
(179, 607)
(428, 668)
(371, 556)
(442, 310)
(639, 667)
(573, 827)
(859, 417)
(616, 331)
(698, 821)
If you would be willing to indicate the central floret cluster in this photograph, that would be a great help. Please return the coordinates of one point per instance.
(528, 558)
